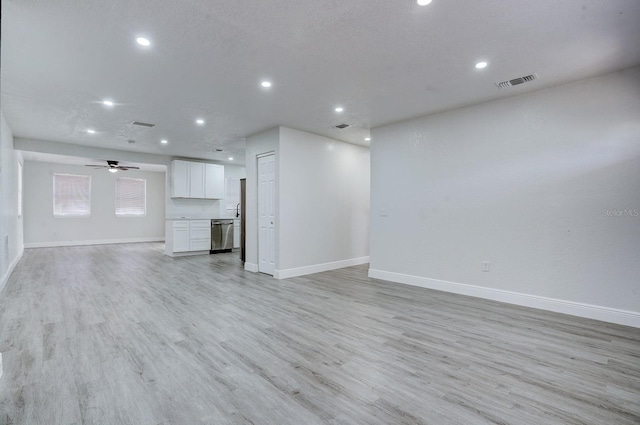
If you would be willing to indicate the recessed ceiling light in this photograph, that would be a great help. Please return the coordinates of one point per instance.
(164, 141)
(230, 158)
(143, 41)
(266, 84)
(423, 2)
(481, 65)
(339, 109)
(107, 102)
(113, 170)
(91, 131)
(367, 139)
(200, 121)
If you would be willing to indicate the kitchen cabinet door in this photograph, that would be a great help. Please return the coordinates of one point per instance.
(236, 233)
(179, 179)
(180, 239)
(200, 235)
(196, 180)
(200, 245)
(214, 181)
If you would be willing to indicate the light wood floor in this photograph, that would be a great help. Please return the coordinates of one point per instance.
(124, 335)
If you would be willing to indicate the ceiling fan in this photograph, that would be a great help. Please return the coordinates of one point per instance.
(113, 166)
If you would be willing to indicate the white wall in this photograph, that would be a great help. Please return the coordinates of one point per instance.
(260, 143)
(536, 184)
(11, 245)
(234, 171)
(41, 228)
(323, 204)
(230, 172)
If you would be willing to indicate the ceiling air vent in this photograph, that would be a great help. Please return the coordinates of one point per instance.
(517, 81)
(342, 126)
(142, 124)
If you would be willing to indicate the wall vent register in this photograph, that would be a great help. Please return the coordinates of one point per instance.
(517, 81)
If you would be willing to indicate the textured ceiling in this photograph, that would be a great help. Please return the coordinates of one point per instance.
(382, 60)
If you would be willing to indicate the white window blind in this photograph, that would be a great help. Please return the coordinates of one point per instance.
(71, 195)
(131, 197)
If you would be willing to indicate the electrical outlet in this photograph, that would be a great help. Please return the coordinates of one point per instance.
(485, 266)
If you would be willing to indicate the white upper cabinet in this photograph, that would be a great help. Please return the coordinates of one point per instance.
(197, 180)
(214, 181)
(179, 179)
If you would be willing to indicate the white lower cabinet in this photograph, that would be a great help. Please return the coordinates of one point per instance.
(180, 230)
(236, 233)
(199, 235)
(187, 236)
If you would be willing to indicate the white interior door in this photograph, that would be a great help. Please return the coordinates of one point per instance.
(266, 213)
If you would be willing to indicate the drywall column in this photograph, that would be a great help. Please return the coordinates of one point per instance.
(11, 244)
(324, 204)
(261, 143)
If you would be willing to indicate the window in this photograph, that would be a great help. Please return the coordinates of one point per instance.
(131, 197)
(19, 189)
(71, 195)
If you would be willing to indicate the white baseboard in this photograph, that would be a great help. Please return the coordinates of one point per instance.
(90, 242)
(186, 253)
(589, 311)
(5, 277)
(317, 268)
(250, 267)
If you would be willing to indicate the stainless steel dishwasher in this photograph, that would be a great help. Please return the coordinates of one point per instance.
(221, 236)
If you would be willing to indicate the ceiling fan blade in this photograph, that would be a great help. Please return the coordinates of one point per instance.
(113, 165)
